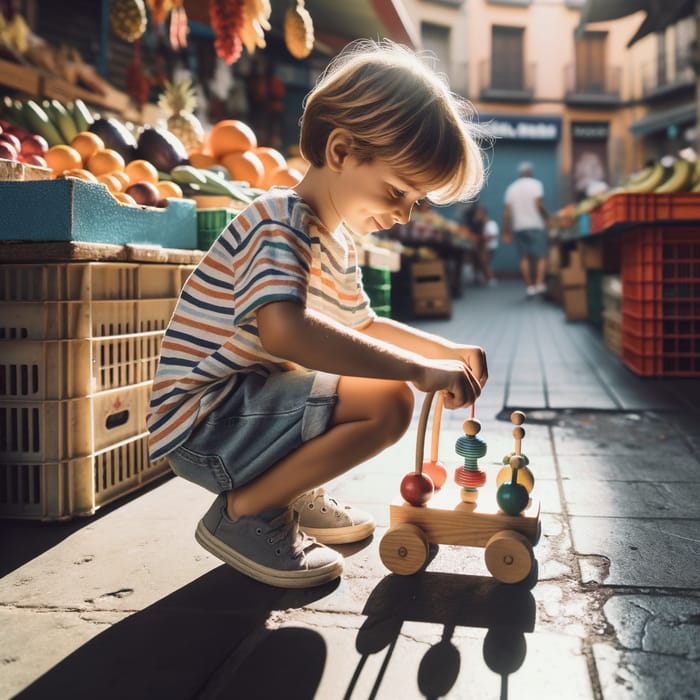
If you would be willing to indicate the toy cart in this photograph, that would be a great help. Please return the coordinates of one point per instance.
(506, 529)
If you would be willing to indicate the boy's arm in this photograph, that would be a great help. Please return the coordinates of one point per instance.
(290, 331)
(428, 345)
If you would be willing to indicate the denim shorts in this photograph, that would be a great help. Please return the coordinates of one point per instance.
(531, 242)
(260, 423)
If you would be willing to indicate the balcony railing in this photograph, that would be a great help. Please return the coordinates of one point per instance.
(659, 83)
(581, 89)
(516, 84)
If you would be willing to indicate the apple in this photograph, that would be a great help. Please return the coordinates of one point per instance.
(33, 159)
(144, 193)
(5, 137)
(19, 131)
(7, 152)
(417, 489)
(34, 144)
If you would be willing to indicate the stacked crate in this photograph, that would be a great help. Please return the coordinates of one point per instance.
(661, 300)
(210, 224)
(377, 284)
(612, 313)
(79, 346)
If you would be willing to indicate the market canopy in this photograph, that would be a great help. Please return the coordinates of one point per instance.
(659, 13)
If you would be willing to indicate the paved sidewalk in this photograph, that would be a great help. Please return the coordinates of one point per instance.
(127, 605)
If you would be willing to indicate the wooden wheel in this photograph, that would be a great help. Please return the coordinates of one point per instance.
(509, 556)
(404, 549)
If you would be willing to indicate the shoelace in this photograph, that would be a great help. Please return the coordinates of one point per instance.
(286, 526)
(320, 493)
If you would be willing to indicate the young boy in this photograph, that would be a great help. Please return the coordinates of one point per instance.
(275, 376)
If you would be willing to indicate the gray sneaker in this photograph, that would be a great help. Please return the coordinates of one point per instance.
(268, 547)
(330, 522)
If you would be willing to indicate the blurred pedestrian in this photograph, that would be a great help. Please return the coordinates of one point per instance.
(524, 222)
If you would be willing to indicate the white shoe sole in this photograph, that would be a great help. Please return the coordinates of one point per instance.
(340, 535)
(302, 578)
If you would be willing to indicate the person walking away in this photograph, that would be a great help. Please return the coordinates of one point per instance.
(275, 376)
(524, 222)
(475, 221)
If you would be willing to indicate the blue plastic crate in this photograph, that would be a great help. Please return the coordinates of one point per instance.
(69, 209)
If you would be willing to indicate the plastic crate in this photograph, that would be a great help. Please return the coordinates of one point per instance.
(59, 320)
(379, 294)
(69, 209)
(661, 365)
(373, 276)
(91, 281)
(63, 369)
(78, 487)
(56, 431)
(628, 209)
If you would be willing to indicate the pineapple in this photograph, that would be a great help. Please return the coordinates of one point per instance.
(179, 100)
(127, 18)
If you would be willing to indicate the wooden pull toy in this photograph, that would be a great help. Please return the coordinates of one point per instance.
(507, 529)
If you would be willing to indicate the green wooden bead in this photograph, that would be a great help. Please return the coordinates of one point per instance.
(512, 498)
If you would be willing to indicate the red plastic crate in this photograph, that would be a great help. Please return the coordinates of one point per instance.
(628, 209)
(661, 365)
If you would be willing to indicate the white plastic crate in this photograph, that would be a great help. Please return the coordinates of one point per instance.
(58, 431)
(63, 369)
(85, 281)
(57, 320)
(62, 490)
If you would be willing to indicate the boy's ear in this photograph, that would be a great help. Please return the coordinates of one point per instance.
(338, 148)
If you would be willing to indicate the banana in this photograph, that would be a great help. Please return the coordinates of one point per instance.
(649, 183)
(680, 178)
(639, 176)
(82, 116)
(39, 122)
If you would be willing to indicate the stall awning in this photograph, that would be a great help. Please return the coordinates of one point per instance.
(661, 120)
(659, 13)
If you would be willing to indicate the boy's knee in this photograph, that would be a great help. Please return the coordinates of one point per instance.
(399, 411)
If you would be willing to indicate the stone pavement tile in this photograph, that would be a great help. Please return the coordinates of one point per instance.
(632, 499)
(647, 466)
(623, 433)
(579, 396)
(634, 675)
(637, 552)
(657, 624)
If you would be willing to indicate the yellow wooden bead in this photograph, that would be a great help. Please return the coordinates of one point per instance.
(517, 417)
(525, 477)
(518, 433)
(471, 427)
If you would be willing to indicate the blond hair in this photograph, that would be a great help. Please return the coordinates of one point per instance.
(400, 111)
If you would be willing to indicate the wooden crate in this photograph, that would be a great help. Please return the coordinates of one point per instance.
(429, 289)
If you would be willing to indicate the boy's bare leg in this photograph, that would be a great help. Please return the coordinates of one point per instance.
(370, 415)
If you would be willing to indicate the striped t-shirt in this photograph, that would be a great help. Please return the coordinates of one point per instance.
(274, 250)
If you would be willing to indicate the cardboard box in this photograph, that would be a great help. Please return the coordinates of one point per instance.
(73, 210)
(572, 277)
(429, 290)
(592, 251)
(575, 303)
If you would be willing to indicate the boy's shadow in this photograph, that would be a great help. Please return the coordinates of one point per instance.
(452, 600)
(206, 640)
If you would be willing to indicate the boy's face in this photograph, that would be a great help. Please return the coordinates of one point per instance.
(372, 196)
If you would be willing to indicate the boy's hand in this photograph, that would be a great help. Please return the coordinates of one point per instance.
(475, 358)
(458, 384)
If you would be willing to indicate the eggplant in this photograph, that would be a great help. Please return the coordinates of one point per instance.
(162, 148)
(115, 136)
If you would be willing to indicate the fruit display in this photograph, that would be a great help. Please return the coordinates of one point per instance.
(178, 100)
(239, 23)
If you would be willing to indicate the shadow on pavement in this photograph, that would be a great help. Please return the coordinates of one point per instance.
(452, 600)
(206, 640)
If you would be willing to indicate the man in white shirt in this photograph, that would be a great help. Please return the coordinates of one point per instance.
(525, 221)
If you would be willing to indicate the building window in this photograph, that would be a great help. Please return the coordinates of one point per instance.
(507, 60)
(590, 62)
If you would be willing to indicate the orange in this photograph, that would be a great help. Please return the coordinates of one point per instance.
(244, 165)
(62, 157)
(105, 161)
(272, 161)
(169, 189)
(230, 136)
(286, 177)
(80, 173)
(112, 183)
(87, 144)
(140, 170)
(123, 198)
(198, 159)
(122, 177)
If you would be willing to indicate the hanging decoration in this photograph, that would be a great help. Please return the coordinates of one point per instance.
(178, 26)
(127, 19)
(298, 30)
(138, 86)
(226, 19)
(255, 24)
(159, 10)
